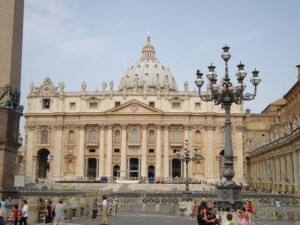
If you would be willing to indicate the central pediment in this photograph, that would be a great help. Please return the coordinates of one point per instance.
(134, 107)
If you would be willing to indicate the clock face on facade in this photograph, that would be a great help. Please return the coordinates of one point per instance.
(47, 89)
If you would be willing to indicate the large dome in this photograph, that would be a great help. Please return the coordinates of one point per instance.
(148, 73)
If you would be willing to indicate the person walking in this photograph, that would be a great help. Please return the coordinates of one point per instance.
(59, 212)
(15, 215)
(104, 210)
(48, 217)
(243, 216)
(229, 219)
(95, 209)
(24, 213)
(250, 211)
(2, 215)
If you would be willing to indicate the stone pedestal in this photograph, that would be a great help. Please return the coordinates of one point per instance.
(229, 198)
(9, 129)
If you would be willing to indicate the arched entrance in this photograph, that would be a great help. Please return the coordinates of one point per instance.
(116, 170)
(42, 163)
(151, 171)
(176, 168)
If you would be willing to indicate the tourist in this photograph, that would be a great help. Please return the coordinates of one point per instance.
(202, 216)
(24, 212)
(243, 216)
(104, 210)
(194, 210)
(9, 206)
(229, 220)
(250, 211)
(2, 215)
(95, 209)
(15, 215)
(59, 210)
(48, 217)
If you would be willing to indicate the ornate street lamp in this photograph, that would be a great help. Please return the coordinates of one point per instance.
(186, 157)
(228, 193)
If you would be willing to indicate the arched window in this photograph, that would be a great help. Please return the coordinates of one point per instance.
(151, 136)
(93, 136)
(176, 136)
(44, 138)
(117, 136)
(134, 136)
(71, 137)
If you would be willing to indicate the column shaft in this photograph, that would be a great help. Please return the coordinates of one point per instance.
(158, 153)
(123, 153)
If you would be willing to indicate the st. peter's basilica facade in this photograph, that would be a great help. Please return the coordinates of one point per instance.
(129, 132)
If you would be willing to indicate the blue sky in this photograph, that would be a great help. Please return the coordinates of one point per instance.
(97, 40)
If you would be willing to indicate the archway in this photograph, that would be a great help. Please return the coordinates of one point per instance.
(176, 168)
(42, 163)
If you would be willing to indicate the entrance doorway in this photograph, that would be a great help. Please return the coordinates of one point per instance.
(151, 171)
(134, 167)
(91, 167)
(116, 171)
(176, 168)
(43, 164)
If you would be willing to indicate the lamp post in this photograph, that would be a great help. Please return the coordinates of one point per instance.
(186, 157)
(228, 193)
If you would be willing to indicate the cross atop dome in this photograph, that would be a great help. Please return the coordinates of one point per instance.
(148, 51)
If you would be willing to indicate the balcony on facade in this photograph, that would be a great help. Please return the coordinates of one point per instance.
(92, 144)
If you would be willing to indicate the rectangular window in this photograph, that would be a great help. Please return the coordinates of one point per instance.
(92, 150)
(72, 105)
(117, 104)
(151, 150)
(197, 105)
(116, 150)
(175, 150)
(176, 105)
(152, 104)
(46, 103)
(93, 105)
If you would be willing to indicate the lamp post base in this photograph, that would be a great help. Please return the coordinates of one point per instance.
(187, 196)
(229, 198)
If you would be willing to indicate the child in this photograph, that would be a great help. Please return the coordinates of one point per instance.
(16, 215)
(229, 220)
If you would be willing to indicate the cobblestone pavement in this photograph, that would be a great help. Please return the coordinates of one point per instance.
(150, 218)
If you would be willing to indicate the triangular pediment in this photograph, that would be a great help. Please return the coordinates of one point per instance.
(134, 107)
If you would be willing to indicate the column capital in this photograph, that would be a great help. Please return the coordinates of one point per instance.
(144, 126)
(187, 126)
(58, 126)
(124, 126)
(210, 127)
(158, 126)
(102, 126)
(240, 128)
(31, 127)
(166, 127)
(81, 126)
(110, 126)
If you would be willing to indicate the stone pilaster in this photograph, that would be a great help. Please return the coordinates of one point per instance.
(210, 152)
(166, 152)
(158, 152)
(29, 154)
(80, 159)
(296, 158)
(123, 152)
(144, 151)
(238, 137)
(109, 151)
(101, 151)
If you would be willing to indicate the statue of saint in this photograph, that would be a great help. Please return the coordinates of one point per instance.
(111, 85)
(104, 85)
(62, 86)
(83, 86)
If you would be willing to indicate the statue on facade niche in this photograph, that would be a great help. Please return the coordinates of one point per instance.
(62, 86)
(31, 87)
(83, 86)
(186, 86)
(104, 85)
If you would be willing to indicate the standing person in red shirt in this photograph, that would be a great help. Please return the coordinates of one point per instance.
(250, 211)
(15, 215)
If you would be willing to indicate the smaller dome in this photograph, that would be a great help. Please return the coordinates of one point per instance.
(148, 72)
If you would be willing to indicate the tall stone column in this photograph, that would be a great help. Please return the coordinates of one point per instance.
(123, 173)
(109, 151)
(11, 32)
(80, 154)
(239, 165)
(29, 169)
(58, 156)
(166, 153)
(210, 152)
(144, 151)
(158, 152)
(101, 151)
(186, 137)
(296, 158)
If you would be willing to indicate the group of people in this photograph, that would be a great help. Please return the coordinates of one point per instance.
(8, 208)
(205, 214)
(103, 206)
(55, 215)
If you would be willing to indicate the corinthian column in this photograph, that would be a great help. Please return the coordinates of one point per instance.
(109, 151)
(80, 153)
(123, 152)
(57, 159)
(166, 152)
(29, 169)
(101, 151)
(186, 137)
(209, 153)
(144, 151)
(239, 165)
(296, 158)
(158, 152)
